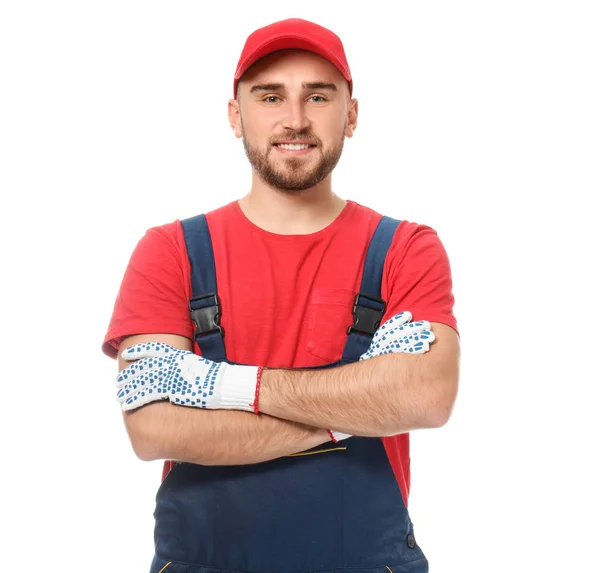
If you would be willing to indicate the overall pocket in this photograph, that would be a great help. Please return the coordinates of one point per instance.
(329, 314)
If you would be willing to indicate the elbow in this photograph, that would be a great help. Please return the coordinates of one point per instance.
(441, 403)
(140, 434)
(144, 451)
(438, 416)
(429, 411)
(153, 435)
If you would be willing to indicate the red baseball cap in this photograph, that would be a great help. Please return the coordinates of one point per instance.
(292, 33)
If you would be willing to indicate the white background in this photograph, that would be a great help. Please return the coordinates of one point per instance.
(480, 119)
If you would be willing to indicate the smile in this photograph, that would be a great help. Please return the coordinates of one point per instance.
(294, 146)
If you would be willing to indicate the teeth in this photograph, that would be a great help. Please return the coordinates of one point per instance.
(293, 146)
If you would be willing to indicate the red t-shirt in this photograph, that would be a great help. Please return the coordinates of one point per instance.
(286, 299)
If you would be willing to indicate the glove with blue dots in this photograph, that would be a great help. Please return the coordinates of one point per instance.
(397, 334)
(162, 372)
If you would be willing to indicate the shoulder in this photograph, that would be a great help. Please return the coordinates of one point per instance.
(409, 235)
(168, 234)
(159, 245)
(417, 247)
(169, 239)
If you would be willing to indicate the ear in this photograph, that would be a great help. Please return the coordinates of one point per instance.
(235, 119)
(351, 117)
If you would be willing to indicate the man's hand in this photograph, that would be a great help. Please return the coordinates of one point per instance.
(397, 334)
(162, 372)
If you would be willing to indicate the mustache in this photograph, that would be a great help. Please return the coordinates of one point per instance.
(295, 135)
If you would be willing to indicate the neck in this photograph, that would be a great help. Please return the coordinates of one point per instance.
(291, 212)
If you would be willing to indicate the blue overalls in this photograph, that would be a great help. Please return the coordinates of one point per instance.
(336, 507)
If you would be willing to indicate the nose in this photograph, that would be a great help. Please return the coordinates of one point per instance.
(295, 117)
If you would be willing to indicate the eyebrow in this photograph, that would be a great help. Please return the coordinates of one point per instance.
(305, 85)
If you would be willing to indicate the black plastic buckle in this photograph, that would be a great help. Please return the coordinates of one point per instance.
(366, 318)
(206, 318)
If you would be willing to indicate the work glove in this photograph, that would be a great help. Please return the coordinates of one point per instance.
(162, 372)
(397, 334)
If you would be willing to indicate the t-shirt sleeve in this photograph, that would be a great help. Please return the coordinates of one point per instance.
(154, 293)
(417, 276)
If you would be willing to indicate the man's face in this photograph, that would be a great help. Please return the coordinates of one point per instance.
(293, 111)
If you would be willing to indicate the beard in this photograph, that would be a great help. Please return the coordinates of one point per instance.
(294, 174)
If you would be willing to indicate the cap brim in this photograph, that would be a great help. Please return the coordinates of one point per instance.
(289, 42)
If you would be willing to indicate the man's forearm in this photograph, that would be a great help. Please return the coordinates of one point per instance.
(381, 396)
(162, 430)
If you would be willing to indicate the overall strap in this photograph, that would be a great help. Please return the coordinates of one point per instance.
(205, 308)
(369, 308)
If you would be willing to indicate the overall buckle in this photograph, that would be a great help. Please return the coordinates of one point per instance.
(367, 317)
(205, 316)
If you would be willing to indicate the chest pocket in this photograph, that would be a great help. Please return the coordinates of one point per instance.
(329, 315)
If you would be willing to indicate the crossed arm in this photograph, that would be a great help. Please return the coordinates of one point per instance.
(385, 395)
(381, 396)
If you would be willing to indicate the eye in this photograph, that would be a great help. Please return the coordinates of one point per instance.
(317, 99)
(271, 99)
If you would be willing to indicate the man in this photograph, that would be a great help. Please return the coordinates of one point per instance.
(331, 337)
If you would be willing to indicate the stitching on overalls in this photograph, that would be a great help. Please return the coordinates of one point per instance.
(169, 563)
(318, 452)
(389, 569)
